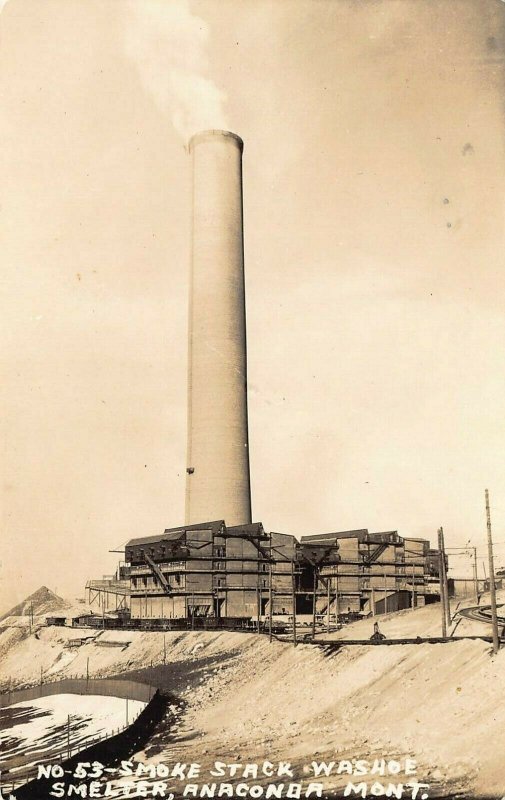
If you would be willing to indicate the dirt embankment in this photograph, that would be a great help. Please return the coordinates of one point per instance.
(245, 700)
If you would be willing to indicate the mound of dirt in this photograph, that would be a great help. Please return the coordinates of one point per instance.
(43, 601)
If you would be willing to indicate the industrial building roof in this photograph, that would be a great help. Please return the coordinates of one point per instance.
(173, 534)
(251, 528)
(361, 534)
(320, 537)
(170, 536)
(215, 526)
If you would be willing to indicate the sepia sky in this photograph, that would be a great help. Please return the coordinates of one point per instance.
(374, 168)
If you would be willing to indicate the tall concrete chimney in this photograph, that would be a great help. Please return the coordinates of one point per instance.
(217, 480)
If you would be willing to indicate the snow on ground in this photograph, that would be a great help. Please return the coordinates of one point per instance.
(24, 655)
(40, 728)
(43, 601)
(437, 703)
(248, 699)
(422, 621)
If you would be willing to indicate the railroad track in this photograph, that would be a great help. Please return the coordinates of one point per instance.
(481, 614)
(332, 645)
(336, 645)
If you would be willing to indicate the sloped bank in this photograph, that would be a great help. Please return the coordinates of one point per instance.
(246, 700)
(438, 704)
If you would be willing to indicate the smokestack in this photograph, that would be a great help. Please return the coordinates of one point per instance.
(217, 480)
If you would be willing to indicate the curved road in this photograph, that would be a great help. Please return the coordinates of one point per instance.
(480, 614)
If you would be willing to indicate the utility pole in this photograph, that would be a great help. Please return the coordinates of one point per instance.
(492, 587)
(442, 583)
(293, 590)
(413, 585)
(446, 582)
(475, 578)
(328, 600)
(337, 600)
(372, 600)
(270, 595)
(314, 597)
(258, 598)
(385, 592)
(259, 593)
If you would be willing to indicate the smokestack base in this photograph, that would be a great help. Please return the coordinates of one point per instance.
(205, 136)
